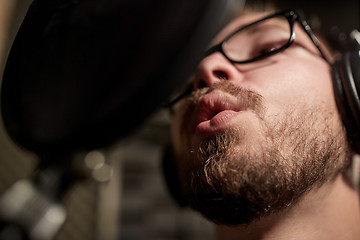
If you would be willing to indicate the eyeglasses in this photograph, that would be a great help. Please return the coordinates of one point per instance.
(260, 39)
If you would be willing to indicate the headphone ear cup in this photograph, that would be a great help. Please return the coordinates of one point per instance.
(346, 82)
(170, 173)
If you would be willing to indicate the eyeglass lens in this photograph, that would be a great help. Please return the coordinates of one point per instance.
(258, 39)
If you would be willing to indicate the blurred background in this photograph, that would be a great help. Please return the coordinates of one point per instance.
(128, 199)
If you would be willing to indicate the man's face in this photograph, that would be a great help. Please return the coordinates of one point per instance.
(253, 138)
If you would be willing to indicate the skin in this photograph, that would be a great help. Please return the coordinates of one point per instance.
(298, 76)
(289, 79)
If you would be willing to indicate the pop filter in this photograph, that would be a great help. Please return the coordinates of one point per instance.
(84, 73)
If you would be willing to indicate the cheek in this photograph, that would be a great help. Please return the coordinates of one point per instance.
(298, 82)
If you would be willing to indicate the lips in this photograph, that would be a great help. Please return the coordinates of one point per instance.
(214, 111)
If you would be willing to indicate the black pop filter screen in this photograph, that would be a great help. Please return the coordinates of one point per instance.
(84, 73)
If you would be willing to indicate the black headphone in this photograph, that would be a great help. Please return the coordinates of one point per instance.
(346, 85)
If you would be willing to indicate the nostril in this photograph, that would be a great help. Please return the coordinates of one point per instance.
(220, 75)
(207, 77)
(204, 83)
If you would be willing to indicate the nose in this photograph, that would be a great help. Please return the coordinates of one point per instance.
(215, 68)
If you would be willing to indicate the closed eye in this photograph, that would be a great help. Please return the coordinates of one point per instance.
(265, 49)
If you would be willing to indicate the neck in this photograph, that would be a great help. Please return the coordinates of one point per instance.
(330, 212)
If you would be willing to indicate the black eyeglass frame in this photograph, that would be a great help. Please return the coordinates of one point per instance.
(291, 15)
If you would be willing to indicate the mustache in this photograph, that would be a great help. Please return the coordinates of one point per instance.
(249, 98)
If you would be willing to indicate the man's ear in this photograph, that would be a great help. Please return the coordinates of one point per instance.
(171, 176)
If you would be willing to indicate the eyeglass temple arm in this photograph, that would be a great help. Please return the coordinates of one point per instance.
(190, 88)
(313, 38)
(186, 92)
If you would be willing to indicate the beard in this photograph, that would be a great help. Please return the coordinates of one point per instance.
(231, 182)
